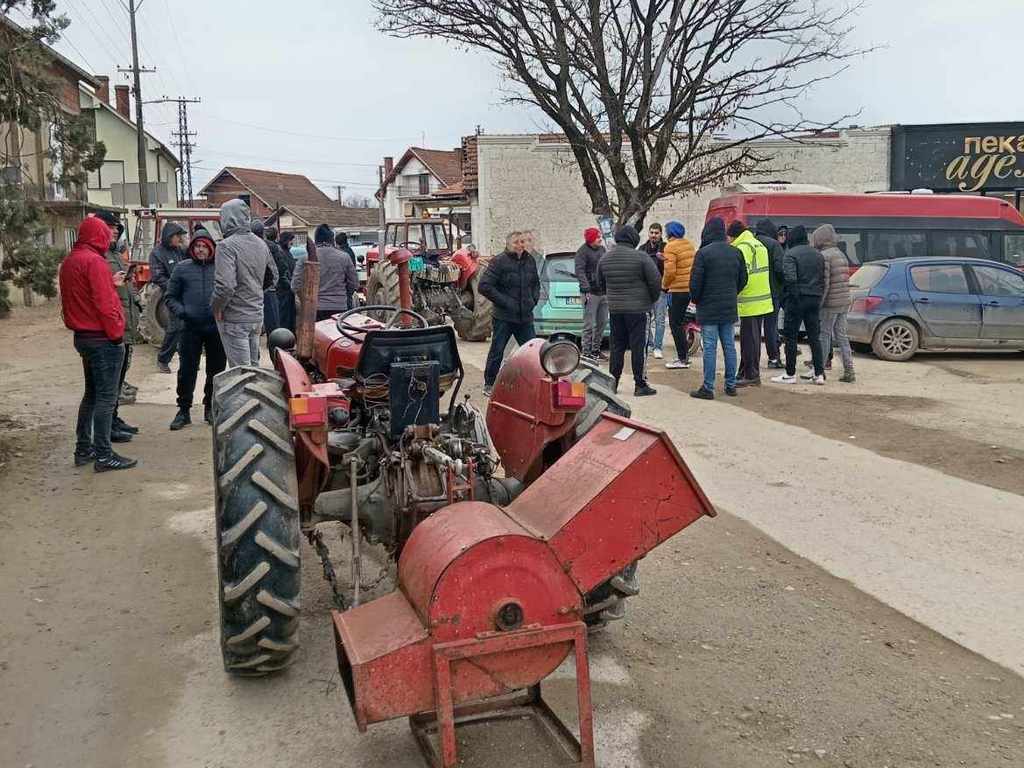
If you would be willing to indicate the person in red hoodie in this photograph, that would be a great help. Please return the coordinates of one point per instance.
(92, 309)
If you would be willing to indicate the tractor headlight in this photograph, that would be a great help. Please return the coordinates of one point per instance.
(559, 358)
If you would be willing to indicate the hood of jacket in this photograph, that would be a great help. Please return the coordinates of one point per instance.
(234, 217)
(714, 231)
(767, 228)
(824, 237)
(94, 234)
(170, 229)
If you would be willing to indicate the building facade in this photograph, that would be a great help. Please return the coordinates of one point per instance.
(532, 182)
(263, 191)
(115, 184)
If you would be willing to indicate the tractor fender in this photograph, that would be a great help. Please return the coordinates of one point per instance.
(311, 462)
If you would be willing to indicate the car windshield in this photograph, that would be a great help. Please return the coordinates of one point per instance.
(868, 276)
(558, 269)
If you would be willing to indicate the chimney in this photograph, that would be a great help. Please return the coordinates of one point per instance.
(123, 103)
(103, 88)
(389, 165)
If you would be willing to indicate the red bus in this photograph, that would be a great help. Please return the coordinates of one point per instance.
(892, 225)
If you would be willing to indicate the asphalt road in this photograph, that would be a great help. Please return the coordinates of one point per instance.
(849, 607)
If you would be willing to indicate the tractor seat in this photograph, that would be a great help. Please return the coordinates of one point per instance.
(381, 348)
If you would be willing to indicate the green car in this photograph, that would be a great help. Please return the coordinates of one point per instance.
(560, 307)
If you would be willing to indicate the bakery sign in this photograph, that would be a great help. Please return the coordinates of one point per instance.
(961, 157)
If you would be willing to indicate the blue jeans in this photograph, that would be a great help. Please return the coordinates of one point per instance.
(101, 364)
(656, 337)
(503, 331)
(711, 335)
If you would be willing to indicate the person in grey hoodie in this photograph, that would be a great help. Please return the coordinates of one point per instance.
(836, 302)
(162, 259)
(243, 269)
(338, 277)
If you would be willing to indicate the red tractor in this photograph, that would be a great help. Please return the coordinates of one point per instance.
(445, 284)
(352, 426)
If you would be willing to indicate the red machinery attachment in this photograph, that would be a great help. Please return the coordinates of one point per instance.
(490, 599)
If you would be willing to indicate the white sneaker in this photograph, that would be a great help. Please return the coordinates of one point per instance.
(819, 380)
(658, 354)
(676, 364)
(809, 376)
(784, 379)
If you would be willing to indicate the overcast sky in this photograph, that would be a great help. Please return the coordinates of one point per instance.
(310, 86)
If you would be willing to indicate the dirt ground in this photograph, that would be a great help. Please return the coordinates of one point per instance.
(739, 653)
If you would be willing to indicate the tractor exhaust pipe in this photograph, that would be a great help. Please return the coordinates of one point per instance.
(304, 326)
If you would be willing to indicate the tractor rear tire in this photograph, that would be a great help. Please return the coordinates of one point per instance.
(382, 285)
(606, 601)
(155, 315)
(477, 327)
(257, 521)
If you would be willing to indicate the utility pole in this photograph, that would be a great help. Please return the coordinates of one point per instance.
(136, 70)
(184, 144)
(339, 191)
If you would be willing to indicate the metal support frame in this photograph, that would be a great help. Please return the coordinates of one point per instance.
(447, 716)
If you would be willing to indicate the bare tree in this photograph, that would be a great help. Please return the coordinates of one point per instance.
(655, 97)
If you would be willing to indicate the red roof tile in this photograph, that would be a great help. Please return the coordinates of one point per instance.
(275, 188)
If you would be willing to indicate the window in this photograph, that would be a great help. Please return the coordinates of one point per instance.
(851, 244)
(247, 199)
(868, 276)
(895, 245)
(970, 245)
(939, 278)
(999, 282)
(414, 237)
(424, 179)
(1013, 250)
(436, 238)
(111, 172)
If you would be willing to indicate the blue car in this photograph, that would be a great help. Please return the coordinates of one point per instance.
(903, 306)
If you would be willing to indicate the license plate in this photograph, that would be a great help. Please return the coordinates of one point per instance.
(572, 300)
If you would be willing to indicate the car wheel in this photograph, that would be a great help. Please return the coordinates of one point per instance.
(896, 339)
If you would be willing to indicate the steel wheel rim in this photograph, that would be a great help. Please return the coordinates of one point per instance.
(897, 339)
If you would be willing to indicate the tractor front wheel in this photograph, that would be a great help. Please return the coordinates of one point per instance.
(478, 326)
(257, 520)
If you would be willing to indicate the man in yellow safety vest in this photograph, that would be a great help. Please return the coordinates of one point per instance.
(754, 302)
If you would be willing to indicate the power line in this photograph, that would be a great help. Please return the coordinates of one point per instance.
(293, 161)
(184, 143)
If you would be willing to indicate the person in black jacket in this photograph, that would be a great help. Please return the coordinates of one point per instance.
(595, 305)
(162, 260)
(768, 234)
(188, 297)
(512, 284)
(804, 270)
(719, 274)
(633, 285)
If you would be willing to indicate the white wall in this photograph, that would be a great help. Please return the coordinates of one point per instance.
(528, 185)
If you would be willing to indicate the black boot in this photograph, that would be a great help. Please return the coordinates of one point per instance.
(207, 414)
(181, 420)
(122, 426)
(644, 390)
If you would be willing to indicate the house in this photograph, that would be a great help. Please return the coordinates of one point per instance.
(428, 182)
(24, 154)
(263, 191)
(116, 183)
(361, 224)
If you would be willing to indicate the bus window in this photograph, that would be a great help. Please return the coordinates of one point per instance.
(895, 245)
(1013, 250)
(852, 245)
(971, 245)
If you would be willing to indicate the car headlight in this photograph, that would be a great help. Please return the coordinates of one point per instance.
(559, 358)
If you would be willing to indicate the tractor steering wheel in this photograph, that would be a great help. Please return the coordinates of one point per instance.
(348, 329)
